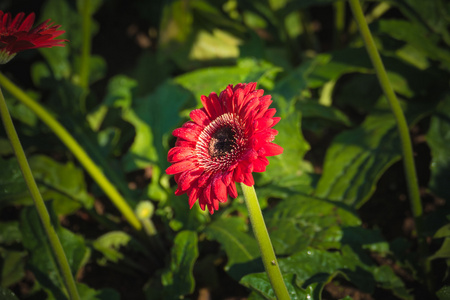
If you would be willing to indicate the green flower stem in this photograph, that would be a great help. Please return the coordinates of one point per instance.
(265, 246)
(55, 243)
(86, 48)
(339, 21)
(408, 158)
(76, 149)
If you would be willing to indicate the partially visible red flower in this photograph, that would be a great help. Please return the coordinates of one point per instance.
(17, 35)
(227, 140)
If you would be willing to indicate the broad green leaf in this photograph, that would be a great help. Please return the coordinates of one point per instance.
(259, 283)
(215, 79)
(444, 293)
(369, 239)
(226, 46)
(331, 66)
(429, 14)
(109, 243)
(357, 158)
(62, 13)
(179, 279)
(315, 111)
(290, 163)
(416, 36)
(179, 216)
(444, 231)
(241, 248)
(360, 91)
(6, 294)
(319, 266)
(12, 267)
(155, 116)
(87, 293)
(41, 259)
(443, 251)
(438, 138)
(12, 183)
(301, 221)
(63, 183)
(10, 233)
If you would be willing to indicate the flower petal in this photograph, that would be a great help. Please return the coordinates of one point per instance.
(200, 117)
(272, 149)
(180, 167)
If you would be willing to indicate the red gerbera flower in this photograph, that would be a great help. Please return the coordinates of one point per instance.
(17, 35)
(227, 140)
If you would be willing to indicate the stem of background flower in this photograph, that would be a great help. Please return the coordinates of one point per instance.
(402, 125)
(86, 45)
(265, 245)
(85, 51)
(55, 243)
(76, 149)
(339, 21)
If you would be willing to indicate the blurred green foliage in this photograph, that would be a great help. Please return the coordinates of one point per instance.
(334, 201)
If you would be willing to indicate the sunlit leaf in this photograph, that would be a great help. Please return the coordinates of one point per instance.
(241, 248)
(179, 279)
(300, 221)
(438, 138)
(41, 258)
(356, 160)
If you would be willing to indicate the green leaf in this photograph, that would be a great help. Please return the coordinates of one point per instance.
(319, 266)
(12, 184)
(154, 118)
(444, 293)
(63, 183)
(429, 14)
(330, 66)
(241, 249)
(87, 293)
(259, 282)
(359, 237)
(179, 279)
(286, 168)
(41, 261)
(357, 158)
(6, 294)
(300, 221)
(443, 251)
(180, 216)
(416, 36)
(109, 243)
(438, 138)
(10, 233)
(12, 267)
(314, 110)
(215, 79)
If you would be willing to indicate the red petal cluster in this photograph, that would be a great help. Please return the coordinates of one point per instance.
(17, 35)
(227, 140)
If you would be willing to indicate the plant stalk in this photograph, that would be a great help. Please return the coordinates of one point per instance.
(402, 125)
(55, 243)
(76, 149)
(86, 46)
(265, 245)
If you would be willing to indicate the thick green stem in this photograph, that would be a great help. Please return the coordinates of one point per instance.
(265, 245)
(408, 158)
(402, 125)
(86, 46)
(339, 21)
(76, 149)
(55, 243)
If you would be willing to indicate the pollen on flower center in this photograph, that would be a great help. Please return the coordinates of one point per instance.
(221, 142)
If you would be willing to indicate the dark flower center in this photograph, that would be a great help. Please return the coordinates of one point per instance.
(222, 142)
